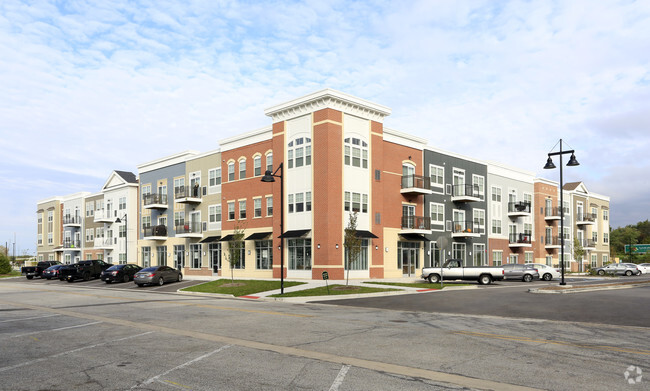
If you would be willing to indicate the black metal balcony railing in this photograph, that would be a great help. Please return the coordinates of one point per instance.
(469, 227)
(519, 206)
(588, 243)
(151, 199)
(71, 244)
(416, 222)
(69, 219)
(188, 228)
(187, 191)
(466, 190)
(524, 238)
(553, 241)
(417, 181)
(156, 230)
(586, 217)
(553, 211)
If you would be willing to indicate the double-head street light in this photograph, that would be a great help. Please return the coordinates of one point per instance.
(270, 177)
(549, 165)
(126, 238)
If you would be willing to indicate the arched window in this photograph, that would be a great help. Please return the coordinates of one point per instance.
(299, 152)
(257, 165)
(356, 152)
(242, 168)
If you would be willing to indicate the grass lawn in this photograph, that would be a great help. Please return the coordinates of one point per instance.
(335, 290)
(13, 273)
(239, 287)
(422, 285)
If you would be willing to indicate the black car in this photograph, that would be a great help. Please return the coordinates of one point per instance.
(117, 273)
(51, 272)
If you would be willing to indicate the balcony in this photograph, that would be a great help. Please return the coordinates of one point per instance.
(186, 194)
(71, 221)
(104, 216)
(588, 244)
(586, 219)
(155, 201)
(551, 214)
(103, 243)
(466, 229)
(416, 225)
(465, 193)
(157, 232)
(189, 230)
(75, 245)
(520, 240)
(415, 185)
(518, 209)
(551, 242)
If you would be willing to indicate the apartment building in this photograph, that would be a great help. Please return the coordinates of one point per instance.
(49, 232)
(332, 157)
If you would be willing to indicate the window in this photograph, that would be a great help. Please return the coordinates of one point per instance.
(346, 206)
(214, 214)
(257, 207)
(179, 218)
(146, 256)
(364, 203)
(214, 179)
(162, 255)
(231, 171)
(257, 165)
(269, 206)
(146, 190)
(237, 255)
(605, 237)
(264, 254)
(195, 255)
(146, 221)
(231, 210)
(528, 257)
(90, 207)
(40, 239)
(214, 251)
(242, 168)
(179, 187)
(437, 176)
(605, 259)
(162, 220)
(300, 206)
(479, 221)
(496, 227)
(361, 263)
(355, 152)
(122, 203)
(242, 209)
(298, 202)
(496, 194)
(480, 258)
(549, 260)
(301, 149)
(355, 202)
(528, 229)
(269, 162)
(458, 251)
(514, 258)
(605, 214)
(122, 231)
(290, 202)
(179, 256)
(478, 182)
(299, 254)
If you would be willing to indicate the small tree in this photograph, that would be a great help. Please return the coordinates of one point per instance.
(234, 254)
(5, 266)
(578, 251)
(351, 243)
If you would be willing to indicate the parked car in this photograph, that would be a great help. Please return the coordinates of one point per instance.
(453, 269)
(51, 272)
(118, 273)
(157, 275)
(618, 268)
(638, 271)
(84, 270)
(546, 272)
(644, 268)
(517, 271)
(37, 271)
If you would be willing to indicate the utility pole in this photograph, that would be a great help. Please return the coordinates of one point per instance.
(14, 257)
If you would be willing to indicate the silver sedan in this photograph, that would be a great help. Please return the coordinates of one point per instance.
(157, 275)
(618, 268)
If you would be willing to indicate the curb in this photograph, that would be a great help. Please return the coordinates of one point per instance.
(571, 289)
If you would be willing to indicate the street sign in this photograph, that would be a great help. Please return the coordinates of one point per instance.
(638, 248)
(326, 276)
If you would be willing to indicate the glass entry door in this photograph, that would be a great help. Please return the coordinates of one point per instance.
(408, 254)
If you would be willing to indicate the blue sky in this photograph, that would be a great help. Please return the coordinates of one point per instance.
(92, 86)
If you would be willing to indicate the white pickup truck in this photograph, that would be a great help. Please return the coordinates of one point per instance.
(453, 269)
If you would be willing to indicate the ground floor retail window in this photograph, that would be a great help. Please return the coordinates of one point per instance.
(497, 258)
(480, 258)
(146, 257)
(435, 255)
(236, 255)
(264, 254)
(408, 257)
(299, 254)
(122, 258)
(179, 256)
(161, 253)
(214, 255)
(458, 251)
(195, 256)
(361, 263)
(594, 260)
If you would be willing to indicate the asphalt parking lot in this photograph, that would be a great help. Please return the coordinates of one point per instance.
(97, 283)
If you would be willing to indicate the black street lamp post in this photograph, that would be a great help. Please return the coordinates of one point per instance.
(549, 165)
(126, 238)
(270, 177)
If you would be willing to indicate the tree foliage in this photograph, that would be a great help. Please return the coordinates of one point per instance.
(5, 265)
(351, 243)
(638, 233)
(234, 253)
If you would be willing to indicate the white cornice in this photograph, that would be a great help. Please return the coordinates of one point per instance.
(166, 161)
(502, 170)
(394, 136)
(328, 99)
(255, 136)
(454, 154)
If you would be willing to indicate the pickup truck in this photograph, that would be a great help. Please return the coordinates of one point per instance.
(453, 269)
(84, 270)
(37, 271)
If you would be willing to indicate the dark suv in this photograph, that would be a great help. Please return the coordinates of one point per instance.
(84, 270)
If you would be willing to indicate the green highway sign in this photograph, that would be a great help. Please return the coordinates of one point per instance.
(638, 248)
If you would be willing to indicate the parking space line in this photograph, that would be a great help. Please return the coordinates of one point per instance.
(153, 379)
(3, 369)
(339, 378)
(33, 317)
(553, 342)
(58, 329)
